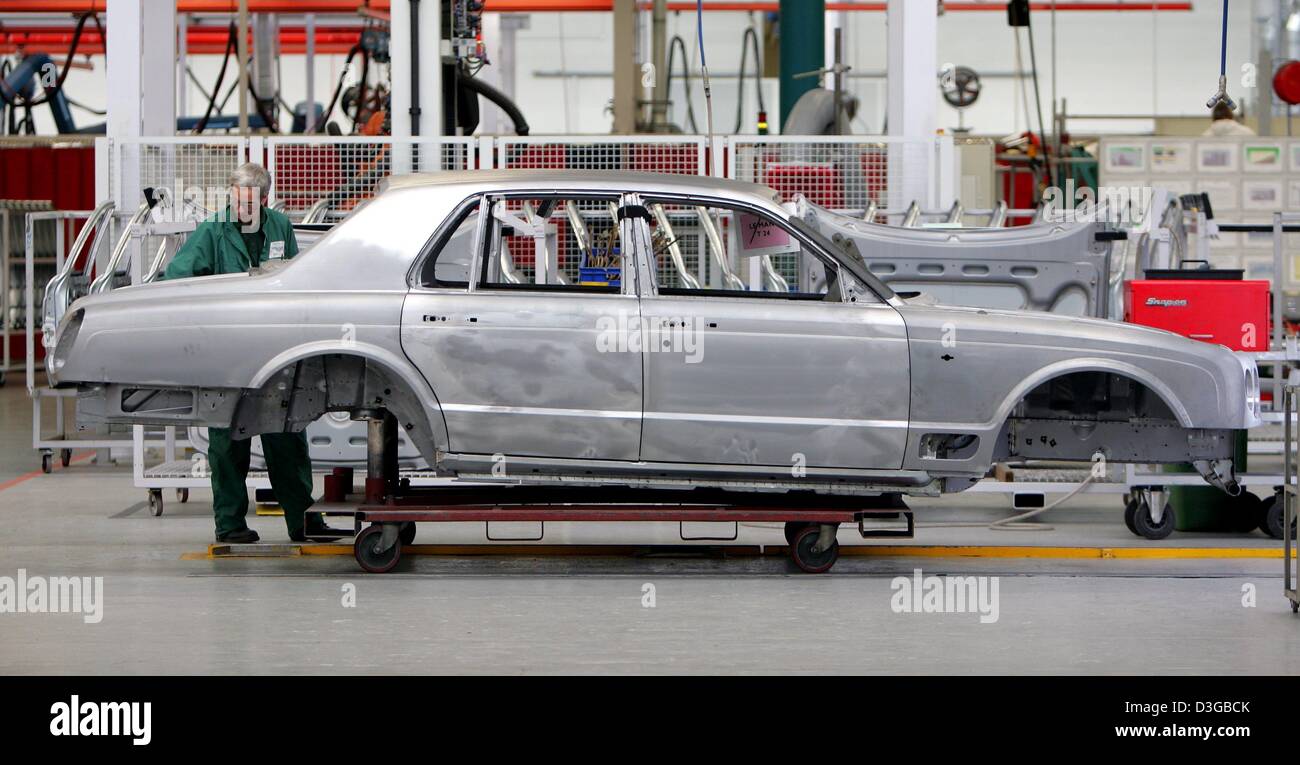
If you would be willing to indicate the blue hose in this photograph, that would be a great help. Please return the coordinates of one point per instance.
(1222, 44)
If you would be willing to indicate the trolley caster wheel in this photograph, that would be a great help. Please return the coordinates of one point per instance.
(1248, 512)
(182, 495)
(792, 529)
(369, 556)
(1271, 522)
(407, 535)
(2, 379)
(806, 558)
(1130, 512)
(47, 463)
(65, 457)
(1143, 526)
(155, 502)
(1295, 607)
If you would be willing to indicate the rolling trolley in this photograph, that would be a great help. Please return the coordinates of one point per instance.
(392, 507)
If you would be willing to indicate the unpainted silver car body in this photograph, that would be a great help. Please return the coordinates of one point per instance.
(1058, 266)
(855, 391)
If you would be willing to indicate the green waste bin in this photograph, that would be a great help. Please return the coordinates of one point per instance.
(1205, 508)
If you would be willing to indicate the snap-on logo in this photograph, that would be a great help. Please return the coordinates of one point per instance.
(1167, 303)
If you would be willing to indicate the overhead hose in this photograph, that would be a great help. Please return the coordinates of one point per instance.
(673, 45)
(67, 63)
(500, 99)
(1038, 101)
(231, 40)
(749, 39)
(1223, 43)
(338, 88)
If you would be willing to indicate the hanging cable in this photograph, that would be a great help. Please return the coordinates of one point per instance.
(1038, 103)
(231, 39)
(338, 88)
(673, 45)
(708, 93)
(750, 37)
(1221, 96)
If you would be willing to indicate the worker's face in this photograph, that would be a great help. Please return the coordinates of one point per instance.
(246, 201)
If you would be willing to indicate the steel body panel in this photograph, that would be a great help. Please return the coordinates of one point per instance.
(847, 384)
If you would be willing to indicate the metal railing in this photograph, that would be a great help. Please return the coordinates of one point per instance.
(1289, 494)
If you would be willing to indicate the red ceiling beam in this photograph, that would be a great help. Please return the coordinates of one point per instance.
(200, 6)
(198, 40)
(543, 6)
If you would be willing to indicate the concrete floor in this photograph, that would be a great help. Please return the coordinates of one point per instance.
(553, 614)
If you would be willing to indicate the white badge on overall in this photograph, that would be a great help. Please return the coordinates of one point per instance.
(276, 251)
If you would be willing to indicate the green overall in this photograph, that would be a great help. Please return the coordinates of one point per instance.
(218, 246)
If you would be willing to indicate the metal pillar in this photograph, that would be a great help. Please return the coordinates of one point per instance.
(803, 40)
(627, 84)
(242, 64)
(141, 56)
(659, 60)
(310, 124)
(415, 46)
(911, 113)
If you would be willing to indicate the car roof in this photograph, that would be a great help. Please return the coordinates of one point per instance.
(612, 180)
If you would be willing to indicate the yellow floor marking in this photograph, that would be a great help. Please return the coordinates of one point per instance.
(892, 551)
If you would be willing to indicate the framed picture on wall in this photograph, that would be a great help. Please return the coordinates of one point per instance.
(1171, 157)
(1176, 186)
(1225, 194)
(1251, 240)
(1260, 195)
(1126, 158)
(1217, 157)
(1262, 157)
(1257, 266)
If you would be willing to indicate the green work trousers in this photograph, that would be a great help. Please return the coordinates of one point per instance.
(289, 467)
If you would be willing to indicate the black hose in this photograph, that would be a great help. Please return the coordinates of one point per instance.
(361, 89)
(673, 45)
(750, 36)
(5, 112)
(489, 92)
(262, 108)
(44, 97)
(325, 115)
(231, 40)
(1038, 101)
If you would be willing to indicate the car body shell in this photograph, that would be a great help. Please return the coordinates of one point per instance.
(845, 392)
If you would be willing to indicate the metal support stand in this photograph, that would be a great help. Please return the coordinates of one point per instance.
(1289, 499)
(381, 457)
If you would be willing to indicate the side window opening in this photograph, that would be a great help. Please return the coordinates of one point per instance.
(449, 263)
(553, 244)
(724, 252)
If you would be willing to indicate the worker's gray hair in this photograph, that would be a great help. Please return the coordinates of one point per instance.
(250, 174)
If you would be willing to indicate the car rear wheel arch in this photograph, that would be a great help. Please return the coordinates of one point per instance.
(304, 389)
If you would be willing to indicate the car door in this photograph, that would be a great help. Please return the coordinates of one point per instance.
(524, 355)
(762, 361)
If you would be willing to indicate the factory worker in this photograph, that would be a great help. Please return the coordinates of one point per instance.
(244, 235)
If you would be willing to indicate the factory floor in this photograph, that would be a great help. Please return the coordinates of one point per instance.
(168, 607)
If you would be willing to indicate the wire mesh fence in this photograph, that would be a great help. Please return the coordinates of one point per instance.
(190, 169)
(843, 173)
(339, 173)
(650, 154)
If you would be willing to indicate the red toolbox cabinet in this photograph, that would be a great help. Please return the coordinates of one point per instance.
(1227, 312)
